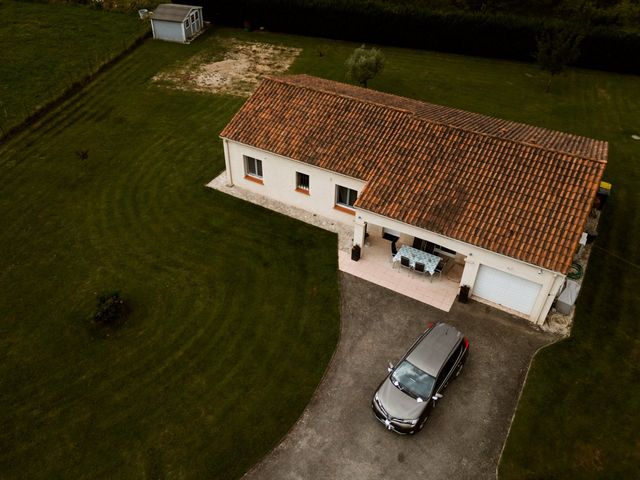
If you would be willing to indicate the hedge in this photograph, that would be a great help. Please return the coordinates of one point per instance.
(490, 35)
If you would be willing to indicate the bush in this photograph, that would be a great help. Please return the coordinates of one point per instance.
(363, 65)
(111, 310)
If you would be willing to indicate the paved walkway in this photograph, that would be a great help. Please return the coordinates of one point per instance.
(338, 437)
(345, 232)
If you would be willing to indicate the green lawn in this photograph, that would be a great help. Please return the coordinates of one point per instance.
(235, 309)
(45, 48)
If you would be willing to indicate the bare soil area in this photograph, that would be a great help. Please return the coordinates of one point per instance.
(238, 72)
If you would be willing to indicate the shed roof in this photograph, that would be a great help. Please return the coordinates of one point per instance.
(172, 12)
(515, 189)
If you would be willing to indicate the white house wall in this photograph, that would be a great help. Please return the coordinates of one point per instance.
(279, 181)
(170, 31)
(550, 282)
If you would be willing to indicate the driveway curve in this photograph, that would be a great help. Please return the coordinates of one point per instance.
(338, 437)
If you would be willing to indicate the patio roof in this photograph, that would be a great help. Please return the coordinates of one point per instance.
(518, 190)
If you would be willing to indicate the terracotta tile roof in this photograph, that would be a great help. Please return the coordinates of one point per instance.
(518, 190)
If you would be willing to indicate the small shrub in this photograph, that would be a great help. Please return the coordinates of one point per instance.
(112, 310)
(363, 65)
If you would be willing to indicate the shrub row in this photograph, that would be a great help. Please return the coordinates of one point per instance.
(415, 25)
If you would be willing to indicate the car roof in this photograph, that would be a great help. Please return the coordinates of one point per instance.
(433, 350)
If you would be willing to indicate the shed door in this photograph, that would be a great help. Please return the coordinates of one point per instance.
(506, 289)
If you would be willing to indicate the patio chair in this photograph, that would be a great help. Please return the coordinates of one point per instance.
(419, 267)
(404, 262)
(439, 268)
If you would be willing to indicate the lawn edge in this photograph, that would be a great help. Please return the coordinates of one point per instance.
(73, 89)
(315, 392)
(515, 410)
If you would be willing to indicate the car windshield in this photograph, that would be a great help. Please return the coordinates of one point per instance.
(409, 378)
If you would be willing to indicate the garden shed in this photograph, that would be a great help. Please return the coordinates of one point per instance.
(176, 23)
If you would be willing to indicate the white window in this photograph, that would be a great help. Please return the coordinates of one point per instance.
(302, 181)
(345, 197)
(186, 23)
(253, 167)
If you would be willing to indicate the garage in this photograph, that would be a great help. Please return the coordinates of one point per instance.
(506, 289)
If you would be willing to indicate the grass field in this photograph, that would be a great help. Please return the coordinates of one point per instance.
(47, 47)
(235, 308)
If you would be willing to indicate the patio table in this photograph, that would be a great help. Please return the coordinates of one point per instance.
(414, 255)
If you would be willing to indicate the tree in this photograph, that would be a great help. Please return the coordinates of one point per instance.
(364, 64)
(556, 50)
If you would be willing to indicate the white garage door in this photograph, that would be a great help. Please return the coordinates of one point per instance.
(506, 289)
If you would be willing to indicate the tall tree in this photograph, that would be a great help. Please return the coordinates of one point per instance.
(556, 50)
(364, 64)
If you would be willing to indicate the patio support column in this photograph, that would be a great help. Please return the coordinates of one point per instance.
(470, 271)
(359, 228)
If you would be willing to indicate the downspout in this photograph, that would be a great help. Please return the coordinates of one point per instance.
(227, 162)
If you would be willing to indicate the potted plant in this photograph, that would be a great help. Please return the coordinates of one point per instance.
(463, 297)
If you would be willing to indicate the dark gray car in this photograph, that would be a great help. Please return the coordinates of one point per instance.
(405, 398)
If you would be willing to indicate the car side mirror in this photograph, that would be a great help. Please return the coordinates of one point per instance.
(437, 396)
(390, 367)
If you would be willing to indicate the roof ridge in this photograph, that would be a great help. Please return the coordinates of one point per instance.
(283, 79)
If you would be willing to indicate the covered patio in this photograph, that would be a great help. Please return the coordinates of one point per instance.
(376, 265)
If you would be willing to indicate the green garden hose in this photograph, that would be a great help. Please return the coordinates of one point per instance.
(575, 271)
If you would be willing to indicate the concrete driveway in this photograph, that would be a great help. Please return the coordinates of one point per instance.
(339, 438)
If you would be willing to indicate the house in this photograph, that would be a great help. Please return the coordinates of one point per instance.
(176, 23)
(508, 201)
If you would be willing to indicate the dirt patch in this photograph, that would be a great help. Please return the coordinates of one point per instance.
(603, 94)
(559, 324)
(238, 72)
(588, 458)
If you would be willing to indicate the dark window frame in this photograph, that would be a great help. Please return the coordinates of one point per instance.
(255, 164)
(444, 373)
(300, 181)
(352, 196)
